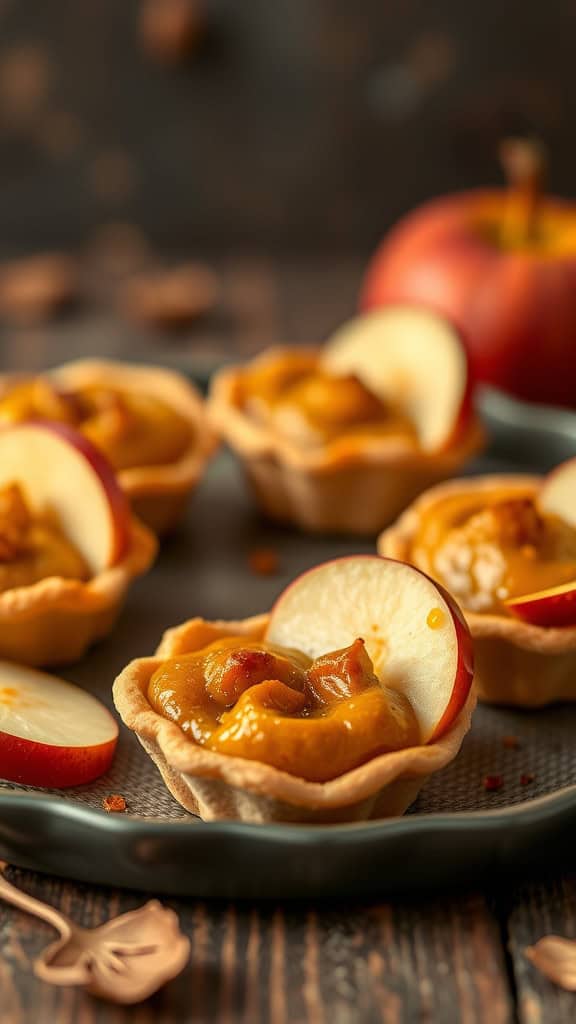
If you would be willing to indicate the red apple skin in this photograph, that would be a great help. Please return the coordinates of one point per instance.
(465, 664)
(52, 767)
(515, 308)
(546, 609)
(464, 669)
(119, 505)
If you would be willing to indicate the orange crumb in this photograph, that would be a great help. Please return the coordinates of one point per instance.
(510, 742)
(263, 561)
(114, 803)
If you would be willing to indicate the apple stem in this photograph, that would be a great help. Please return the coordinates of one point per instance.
(524, 162)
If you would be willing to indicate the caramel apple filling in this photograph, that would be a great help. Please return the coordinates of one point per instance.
(130, 428)
(486, 549)
(307, 405)
(315, 720)
(33, 547)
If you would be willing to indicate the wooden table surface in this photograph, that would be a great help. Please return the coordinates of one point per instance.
(456, 958)
(447, 960)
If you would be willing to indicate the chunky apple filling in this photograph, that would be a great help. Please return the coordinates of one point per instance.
(302, 402)
(130, 428)
(488, 548)
(313, 719)
(33, 547)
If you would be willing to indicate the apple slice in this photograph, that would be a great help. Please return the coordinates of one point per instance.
(557, 495)
(553, 607)
(414, 357)
(59, 470)
(414, 631)
(52, 733)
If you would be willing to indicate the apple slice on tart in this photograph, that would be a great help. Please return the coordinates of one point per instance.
(69, 546)
(414, 357)
(414, 632)
(61, 472)
(553, 606)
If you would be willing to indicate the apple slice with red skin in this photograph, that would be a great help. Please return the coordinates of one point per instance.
(52, 733)
(414, 357)
(414, 631)
(553, 607)
(59, 470)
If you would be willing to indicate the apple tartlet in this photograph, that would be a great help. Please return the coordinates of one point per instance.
(69, 546)
(340, 439)
(335, 707)
(505, 547)
(149, 422)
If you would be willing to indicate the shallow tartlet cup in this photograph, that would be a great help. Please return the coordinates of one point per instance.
(158, 493)
(217, 786)
(54, 621)
(350, 485)
(515, 663)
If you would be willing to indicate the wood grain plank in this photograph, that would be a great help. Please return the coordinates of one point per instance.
(537, 910)
(438, 961)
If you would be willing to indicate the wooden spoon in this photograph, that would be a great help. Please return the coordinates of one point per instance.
(124, 960)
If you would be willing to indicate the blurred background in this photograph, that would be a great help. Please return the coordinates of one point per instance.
(270, 141)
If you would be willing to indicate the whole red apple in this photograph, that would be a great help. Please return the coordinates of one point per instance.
(501, 264)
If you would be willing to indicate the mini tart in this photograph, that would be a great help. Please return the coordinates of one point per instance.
(217, 786)
(349, 485)
(159, 493)
(515, 663)
(55, 620)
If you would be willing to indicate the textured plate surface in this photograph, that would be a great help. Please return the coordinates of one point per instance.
(456, 831)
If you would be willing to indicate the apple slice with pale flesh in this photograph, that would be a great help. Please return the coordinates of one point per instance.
(557, 495)
(61, 472)
(413, 357)
(553, 607)
(414, 632)
(52, 733)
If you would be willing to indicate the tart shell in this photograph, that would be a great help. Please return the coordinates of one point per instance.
(217, 786)
(158, 494)
(54, 621)
(515, 663)
(351, 485)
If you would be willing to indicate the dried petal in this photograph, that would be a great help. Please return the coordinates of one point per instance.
(125, 960)
(556, 959)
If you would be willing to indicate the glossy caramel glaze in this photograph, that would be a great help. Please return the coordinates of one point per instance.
(254, 700)
(130, 428)
(490, 547)
(295, 396)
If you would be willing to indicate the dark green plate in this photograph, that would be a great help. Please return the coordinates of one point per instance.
(455, 833)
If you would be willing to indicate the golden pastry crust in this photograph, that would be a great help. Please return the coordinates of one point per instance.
(352, 484)
(158, 493)
(516, 663)
(55, 620)
(217, 786)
